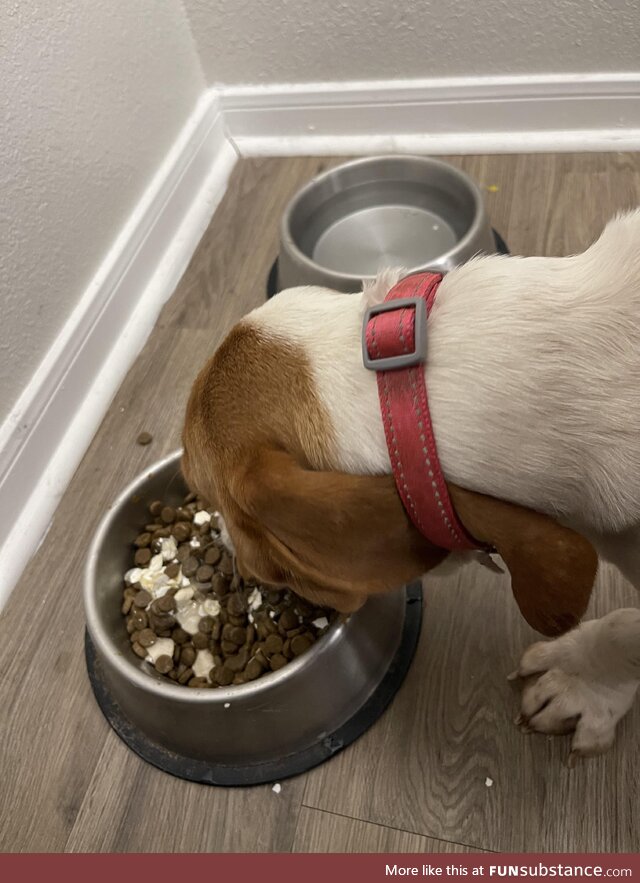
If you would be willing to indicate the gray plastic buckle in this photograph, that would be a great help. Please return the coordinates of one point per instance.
(406, 360)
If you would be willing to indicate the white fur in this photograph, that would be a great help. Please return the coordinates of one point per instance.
(328, 326)
(533, 378)
(225, 536)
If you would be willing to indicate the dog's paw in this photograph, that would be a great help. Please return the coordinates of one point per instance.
(565, 691)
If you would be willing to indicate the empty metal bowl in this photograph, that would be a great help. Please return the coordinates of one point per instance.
(275, 726)
(392, 211)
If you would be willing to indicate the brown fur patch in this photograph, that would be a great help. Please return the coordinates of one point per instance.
(254, 393)
(552, 567)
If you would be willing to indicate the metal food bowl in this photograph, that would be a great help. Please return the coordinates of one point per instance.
(413, 212)
(277, 726)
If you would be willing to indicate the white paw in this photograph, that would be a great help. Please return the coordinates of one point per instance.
(570, 685)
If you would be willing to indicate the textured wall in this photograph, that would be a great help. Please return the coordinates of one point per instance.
(92, 95)
(255, 41)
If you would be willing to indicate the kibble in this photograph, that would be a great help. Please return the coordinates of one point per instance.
(198, 682)
(212, 555)
(146, 637)
(253, 669)
(139, 650)
(288, 619)
(222, 676)
(238, 635)
(206, 625)
(204, 573)
(188, 655)
(182, 531)
(226, 564)
(168, 515)
(164, 664)
(166, 604)
(160, 533)
(192, 611)
(200, 641)
(300, 644)
(273, 644)
(238, 661)
(278, 661)
(236, 604)
(184, 551)
(142, 598)
(161, 621)
(262, 659)
(186, 676)
(142, 557)
(139, 618)
(190, 566)
(180, 636)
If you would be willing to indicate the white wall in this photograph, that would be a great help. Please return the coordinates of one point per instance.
(281, 41)
(92, 95)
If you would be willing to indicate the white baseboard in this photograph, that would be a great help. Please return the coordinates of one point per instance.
(461, 115)
(49, 430)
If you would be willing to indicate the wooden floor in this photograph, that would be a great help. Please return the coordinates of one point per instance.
(416, 780)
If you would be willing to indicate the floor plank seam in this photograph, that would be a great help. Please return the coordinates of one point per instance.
(297, 825)
(399, 830)
(87, 794)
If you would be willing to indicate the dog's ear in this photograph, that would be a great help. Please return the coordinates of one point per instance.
(345, 533)
(552, 567)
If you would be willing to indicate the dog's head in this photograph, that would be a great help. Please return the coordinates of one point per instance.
(258, 446)
(255, 444)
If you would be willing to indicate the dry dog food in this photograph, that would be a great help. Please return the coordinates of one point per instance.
(190, 616)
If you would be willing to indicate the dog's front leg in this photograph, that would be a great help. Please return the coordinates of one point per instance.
(584, 681)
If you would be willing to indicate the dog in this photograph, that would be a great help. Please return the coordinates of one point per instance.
(533, 377)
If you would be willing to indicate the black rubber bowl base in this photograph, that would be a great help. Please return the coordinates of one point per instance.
(290, 765)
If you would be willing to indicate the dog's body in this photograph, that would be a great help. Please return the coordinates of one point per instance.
(533, 377)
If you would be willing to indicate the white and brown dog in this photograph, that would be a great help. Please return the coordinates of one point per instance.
(533, 376)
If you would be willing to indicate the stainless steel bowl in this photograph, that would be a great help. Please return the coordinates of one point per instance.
(257, 723)
(392, 211)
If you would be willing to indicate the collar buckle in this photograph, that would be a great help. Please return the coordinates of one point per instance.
(405, 360)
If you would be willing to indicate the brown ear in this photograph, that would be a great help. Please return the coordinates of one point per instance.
(349, 533)
(552, 567)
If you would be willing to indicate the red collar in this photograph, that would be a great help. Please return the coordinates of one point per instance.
(395, 346)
